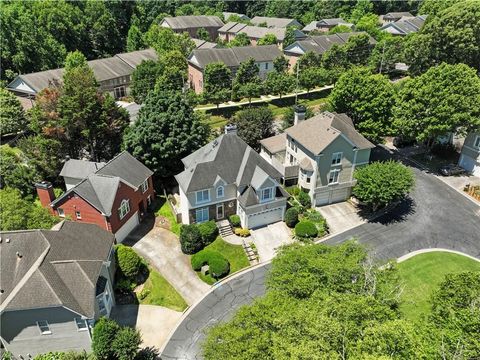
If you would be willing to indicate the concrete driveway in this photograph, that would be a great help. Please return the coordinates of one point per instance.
(155, 323)
(162, 250)
(340, 216)
(267, 239)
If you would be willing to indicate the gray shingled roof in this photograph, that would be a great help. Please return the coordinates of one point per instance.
(257, 32)
(79, 169)
(228, 157)
(407, 25)
(275, 22)
(56, 267)
(226, 15)
(202, 44)
(135, 58)
(397, 15)
(232, 57)
(316, 133)
(248, 197)
(193, 21)
(275, 144)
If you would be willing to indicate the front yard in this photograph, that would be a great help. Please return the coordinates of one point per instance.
(163, 210)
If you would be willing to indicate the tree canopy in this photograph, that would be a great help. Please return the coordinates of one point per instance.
(12, 116)
(254, 124)
(217, 83)
(241, 39)
(268, 39)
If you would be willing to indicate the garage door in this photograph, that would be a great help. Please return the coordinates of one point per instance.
(264, 218)
(338, 195)
(127, 228)
(322, 199)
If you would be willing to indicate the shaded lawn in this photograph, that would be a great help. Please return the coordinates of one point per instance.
(421, 276)
(165, 211)
(162, 293)
(233, 253)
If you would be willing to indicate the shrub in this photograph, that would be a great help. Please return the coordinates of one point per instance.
(191, 239)
(293, 190)
(315, 216)
(291, 217)
(126, 343)
(104, 334)
(235, 220)
(242, 232)
(304, 199)
(306, 230)
(143, 294)
(218, 264)
(125, 285)
(209, 231)
(128, 261)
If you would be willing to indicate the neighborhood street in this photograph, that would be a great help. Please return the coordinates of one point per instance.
(436, 216)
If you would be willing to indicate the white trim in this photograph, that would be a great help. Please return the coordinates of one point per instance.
(337, 171)
(202, 201)
(78, 214)
(84, 322)
(272, 193)
(220, 206)
(44, 332)
(62, 215)
(121, 209)
(144, 186)
(202, 210)
(223, 191)
(335, 158)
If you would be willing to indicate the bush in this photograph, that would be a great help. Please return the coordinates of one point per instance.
(315, 216)
(235, 220)
(291, 217)
(218, 264)
(293, 190)
(126, 343)
(191, 239)
(444, 150)
(306, 230)
(304, 199)
(143, 294)
(104, 334)
(209, 231)
(128, 261)
(125, 285)
(242, 232)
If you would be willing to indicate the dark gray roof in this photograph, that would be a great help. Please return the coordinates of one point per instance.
(226, 15)
(79, 169)
(397, 15)
(248, 197)
(56, 268)
(332, 22)
(228, 26)
(193, 21)
(110, 68)
(228, 157)
(202, 44)
(407, 25)
(275, 22)
(135, 58)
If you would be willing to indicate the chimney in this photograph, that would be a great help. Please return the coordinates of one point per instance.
(231, 129)
(45, 194)
(299, 114)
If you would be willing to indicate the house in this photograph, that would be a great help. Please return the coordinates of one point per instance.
(394, 16)
(319, 154)
(112, 74)
(231, 57)
(202, 44)
(326, 25)
(227, 177)
(54, 285)
(319, 44)
(114, 195)
(470, 155)
(405, 25)
(227, 15)
(192, 23)
(230, 30)
(273, 22)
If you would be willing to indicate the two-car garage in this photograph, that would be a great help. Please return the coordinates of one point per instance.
(264, 217)
(331, 195)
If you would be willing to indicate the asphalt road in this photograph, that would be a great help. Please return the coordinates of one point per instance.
(436, 216)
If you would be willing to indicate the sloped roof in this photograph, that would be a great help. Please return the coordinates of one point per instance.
(135, 58)
(228, 26)
(56, 268)
(193, 21)
(397, 15)
(275, 144)
(202, 44)
(332, 21)
(258, 32)
(226, 15)
(275, 22)
(306, 164)
(406, 25)
(248, 197)
(79, 169)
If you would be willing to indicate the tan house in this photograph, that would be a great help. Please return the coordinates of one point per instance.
(326, 25)
(232, 58)
(191, 24)
(319, 154)
(470, 155)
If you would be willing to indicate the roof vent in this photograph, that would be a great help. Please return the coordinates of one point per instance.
(2, 291)
(7, 240)
(19, 255)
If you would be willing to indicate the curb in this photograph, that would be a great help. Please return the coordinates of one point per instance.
(458, 190)
(424, 251)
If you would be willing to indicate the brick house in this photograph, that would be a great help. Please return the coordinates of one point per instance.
(114, 195)
(326, 25)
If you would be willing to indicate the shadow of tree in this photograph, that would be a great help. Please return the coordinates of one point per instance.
(399, 213)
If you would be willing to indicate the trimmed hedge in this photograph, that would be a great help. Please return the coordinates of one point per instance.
(306, 230)
(128, 261)
(235, 220)
(242, 232)
(209, 231)
(304, 199)
(291, 217)
(191, 240)
(218, 264)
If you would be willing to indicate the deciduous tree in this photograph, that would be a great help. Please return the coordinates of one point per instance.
(217, 83)
(144, 78)
(279, 83)
(254, 124)
(241, 39)
(12, 116)
(268, 39)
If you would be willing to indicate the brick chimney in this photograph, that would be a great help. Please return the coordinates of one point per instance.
(45, 194)
(299, 114)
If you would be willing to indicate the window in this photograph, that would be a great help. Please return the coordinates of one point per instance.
(144, 186)
(267, 194)
(308, 179)
(124, 208)
(220, 192)
(292, 159)
(477, 142)
(61, 213)
(78, 214)
(81, 324)
(266, 66)
(149, 200)
(202, 196)
(119, 92)
(201, 215)
(333, 176)
(44, 327)
(337, 158)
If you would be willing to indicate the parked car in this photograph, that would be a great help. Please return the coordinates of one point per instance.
(451, 169)
(400, 141)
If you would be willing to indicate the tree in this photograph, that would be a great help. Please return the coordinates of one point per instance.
(387, 53)
(280, 64)
(247, 83)
(338, 29)
(289, 116)
(241, 39)
(370, 24)
(135, 39)
(310, 78)
(358, 49)
(191, 240)
(254, 124)
(15, 172)
(126, 343)
(203, 34)
(268, 39)
(308, 60)
(164, 40)
(444, 99)
(217, 83)
(433, 7)
(279, 83)
(166, 131)
(103, 337)
(381, 183)
(368, 99)
(289, 36)
(144, 78)
(362, 8)
(12, 116)
(129, 262)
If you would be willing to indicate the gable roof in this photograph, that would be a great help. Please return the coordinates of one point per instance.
(232, 57)
(275, 22)
(79, 169)
(135, 58)
(193, 21)
(316, 133)
(406, 26)
(397, 15)
(202, 44)
(227, 157)
(56, 268)
(226, 15)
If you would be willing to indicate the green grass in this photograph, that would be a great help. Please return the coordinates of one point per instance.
(422, 274)
(162, 293)
(233, 253)
(165, 211)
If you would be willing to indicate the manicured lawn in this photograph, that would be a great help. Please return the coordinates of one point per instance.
(422, 274)
(162, 293)
(166, 212)
(233, 253)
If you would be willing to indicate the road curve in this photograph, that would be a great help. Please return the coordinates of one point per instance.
(436, 216)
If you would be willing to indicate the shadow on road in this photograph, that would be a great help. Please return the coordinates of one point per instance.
(398, 214)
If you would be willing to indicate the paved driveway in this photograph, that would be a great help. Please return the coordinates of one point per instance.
(268, 238)
(437, 216)
(340, 216)
(162, 250)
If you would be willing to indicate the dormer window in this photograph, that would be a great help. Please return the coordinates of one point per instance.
(266, 194)
(220, 192)
(124, 208)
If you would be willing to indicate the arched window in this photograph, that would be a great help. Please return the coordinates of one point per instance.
(124, 208)
(220, 192)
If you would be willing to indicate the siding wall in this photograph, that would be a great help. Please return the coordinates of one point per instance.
(468, 148)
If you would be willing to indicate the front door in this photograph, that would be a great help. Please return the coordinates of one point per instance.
(220, 211)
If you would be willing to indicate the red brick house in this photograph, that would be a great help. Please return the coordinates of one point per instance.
(114, 195)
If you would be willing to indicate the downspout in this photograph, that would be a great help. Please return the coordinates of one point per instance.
(355, 152)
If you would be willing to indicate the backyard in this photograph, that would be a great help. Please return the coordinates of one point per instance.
(422, 274)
